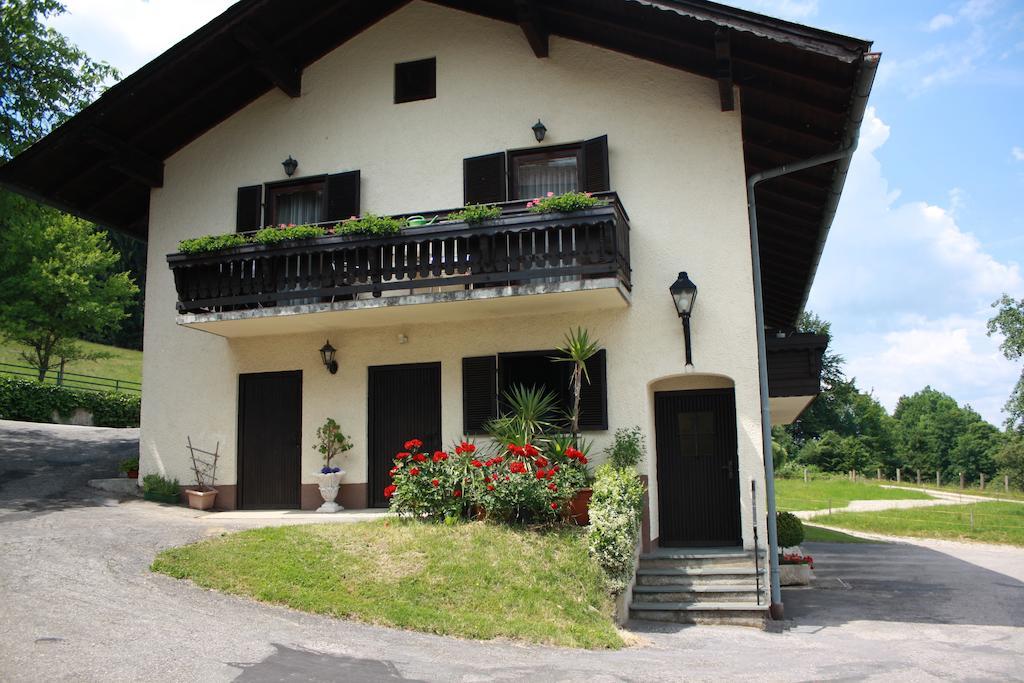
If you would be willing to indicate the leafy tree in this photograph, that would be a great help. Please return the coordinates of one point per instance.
(1009, 457)
(974, 450)
(46, 78)
(57, 284)
(929, 424)
(836, 453)
(1009, 322)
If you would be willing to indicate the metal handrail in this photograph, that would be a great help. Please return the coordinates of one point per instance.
(71, 379)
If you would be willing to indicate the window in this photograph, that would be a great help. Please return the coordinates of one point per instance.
(534, 174)
(416, 80)
(486, 378)
(298, 202)
(696, 434)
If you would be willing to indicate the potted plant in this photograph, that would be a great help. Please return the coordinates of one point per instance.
(160, 490)
(577, 349)
(794, 567)
(330, 443)
(203, 495)
(130, 468)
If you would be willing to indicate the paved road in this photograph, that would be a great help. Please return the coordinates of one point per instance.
(77, 602)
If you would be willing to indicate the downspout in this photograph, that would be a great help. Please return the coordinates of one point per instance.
(865, 78)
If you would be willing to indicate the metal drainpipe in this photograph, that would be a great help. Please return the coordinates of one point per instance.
(865, 78)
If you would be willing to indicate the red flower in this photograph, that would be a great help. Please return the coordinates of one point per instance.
(555, 468)
(393, 472)
(439, 456)
(419, 457)
(457, 494)
(516, 450)
(499, 459)
(468, 447)
(476, 463)
(572, 453)
(413, 443)
(487, 480)
(390, 491)
(551, 474)
(554, 506)
(540, 474)
(531, 450)
(583, 460)
(517, 468)
(435, 482)
(402, 456)
(490, 487)
(414, 471)
(552, 487)
(542, 461)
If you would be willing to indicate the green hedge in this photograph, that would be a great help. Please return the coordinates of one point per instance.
(616, 510)
(34, 402)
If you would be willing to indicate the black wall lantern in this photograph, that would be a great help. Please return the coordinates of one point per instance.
(539, 130)
(327, 355)
(684, 293)
(289, 166)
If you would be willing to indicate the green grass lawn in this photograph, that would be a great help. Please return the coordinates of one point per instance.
(794, 494)
(125, 364)
(819, 535)
(993, 522)
(992, 489)
(472, 580)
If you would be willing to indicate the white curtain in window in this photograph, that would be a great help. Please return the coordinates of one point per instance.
(298, 207)
(537, 178)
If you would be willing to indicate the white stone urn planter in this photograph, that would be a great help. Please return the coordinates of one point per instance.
(328, 484)
(795, 574)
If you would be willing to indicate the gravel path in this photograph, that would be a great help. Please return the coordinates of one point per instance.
(78, 602)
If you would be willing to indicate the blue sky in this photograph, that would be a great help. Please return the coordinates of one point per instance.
(930, 229)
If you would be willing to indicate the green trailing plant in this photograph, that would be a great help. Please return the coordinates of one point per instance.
(285, 233)
(564, 203)
(331, 443)
(160, 489)
(207, 243)
(790, 530)
(129, 465)
(371, 224)
(616, 511)
(577, 348)
(35, 402)
(628, 448)
(476, 213)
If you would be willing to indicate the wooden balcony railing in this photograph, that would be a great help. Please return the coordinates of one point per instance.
(518, 248)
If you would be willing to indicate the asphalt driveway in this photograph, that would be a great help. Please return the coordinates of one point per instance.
(78, 602)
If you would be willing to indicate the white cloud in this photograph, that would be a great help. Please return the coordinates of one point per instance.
(939, 21)
(1018, 153)
(129, 33)
(908, 290)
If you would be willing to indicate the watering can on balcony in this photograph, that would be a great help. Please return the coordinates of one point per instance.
(419, 221)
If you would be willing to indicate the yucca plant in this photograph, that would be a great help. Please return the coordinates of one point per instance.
(529, 416)
(577, 348)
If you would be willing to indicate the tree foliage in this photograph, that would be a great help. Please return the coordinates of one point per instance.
(46, 78)
(1009, 322)
(57, 283)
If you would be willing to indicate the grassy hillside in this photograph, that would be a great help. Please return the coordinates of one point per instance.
(125, 364)
(818, 494)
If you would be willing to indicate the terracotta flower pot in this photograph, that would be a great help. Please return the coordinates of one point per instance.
(579, 507)
(201, 500)
(132, 474)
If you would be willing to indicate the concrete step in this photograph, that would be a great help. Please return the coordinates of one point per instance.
(699, 557)
(660, 576)
(729, 613)
(690, 593)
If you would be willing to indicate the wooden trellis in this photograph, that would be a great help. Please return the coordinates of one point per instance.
(204, 465)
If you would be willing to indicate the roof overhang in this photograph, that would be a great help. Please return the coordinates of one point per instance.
(797, 84)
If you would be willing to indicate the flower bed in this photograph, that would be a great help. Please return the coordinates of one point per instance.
(514, 483)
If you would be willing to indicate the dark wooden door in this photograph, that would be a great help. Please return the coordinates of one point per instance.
(698, 480)
(270, 440)
(404, 403)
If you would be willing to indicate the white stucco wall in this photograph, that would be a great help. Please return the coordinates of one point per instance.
(675, 159)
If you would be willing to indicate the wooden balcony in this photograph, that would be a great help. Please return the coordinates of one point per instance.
(516, 253)
(794, 373)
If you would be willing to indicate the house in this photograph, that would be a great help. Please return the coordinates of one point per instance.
(279, 112)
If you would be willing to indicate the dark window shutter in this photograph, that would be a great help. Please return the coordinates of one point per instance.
(484, 179)
(595, 165)
(250, 207)
(479, 393)
(342, 196)
(594, 396)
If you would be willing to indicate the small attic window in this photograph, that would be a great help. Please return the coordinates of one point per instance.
(416, 80)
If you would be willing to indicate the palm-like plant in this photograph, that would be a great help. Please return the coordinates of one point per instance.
(577, 348)
(529, 416)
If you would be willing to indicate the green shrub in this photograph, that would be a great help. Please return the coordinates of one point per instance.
(154, 483)
(616, 510)
(628, 449)
(129, 465)
(34, 402)
(288, 232)
(564, 203)
(476, 213)
(794, 470)
(198, 245)
(371, 224)
(790, 529)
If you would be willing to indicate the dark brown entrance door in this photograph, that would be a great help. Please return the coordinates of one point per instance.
(698, 483)
(269, 440)
(404, 403)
